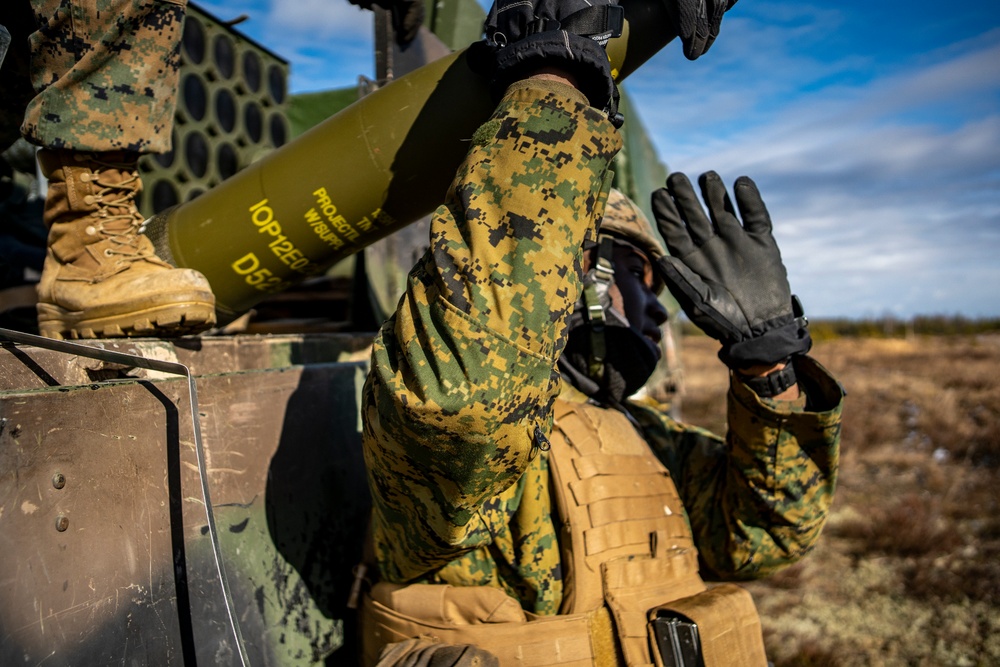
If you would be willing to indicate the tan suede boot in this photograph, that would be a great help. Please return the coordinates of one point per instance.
(102, 278)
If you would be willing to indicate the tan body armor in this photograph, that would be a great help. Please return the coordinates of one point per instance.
(627, 553)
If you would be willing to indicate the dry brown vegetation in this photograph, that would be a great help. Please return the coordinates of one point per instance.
(907, 571)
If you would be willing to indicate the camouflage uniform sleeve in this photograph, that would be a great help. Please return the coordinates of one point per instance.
(463, 375)
(757, 500)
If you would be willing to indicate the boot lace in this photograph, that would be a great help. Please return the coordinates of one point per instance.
(117, 216)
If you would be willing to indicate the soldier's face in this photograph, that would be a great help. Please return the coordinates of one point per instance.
(632, 292)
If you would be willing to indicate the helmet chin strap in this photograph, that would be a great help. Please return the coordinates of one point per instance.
(597, 305)
(601, 344)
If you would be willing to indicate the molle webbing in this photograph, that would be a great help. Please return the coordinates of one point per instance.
(614, 496)
(631, 564)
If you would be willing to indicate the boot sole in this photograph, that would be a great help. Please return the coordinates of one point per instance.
(164, 321)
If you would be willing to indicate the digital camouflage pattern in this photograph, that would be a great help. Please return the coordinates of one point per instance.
(756, 500)
(99, 75)
(463, 380)
(458, 405)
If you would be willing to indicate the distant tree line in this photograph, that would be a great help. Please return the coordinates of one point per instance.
(889, 327)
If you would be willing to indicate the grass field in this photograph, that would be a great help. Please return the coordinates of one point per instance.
(907, 571)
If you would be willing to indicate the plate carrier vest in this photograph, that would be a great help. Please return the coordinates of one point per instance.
(627, 554)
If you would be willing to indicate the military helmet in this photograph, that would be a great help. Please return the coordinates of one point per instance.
(623, 219)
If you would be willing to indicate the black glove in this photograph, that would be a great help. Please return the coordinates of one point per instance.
(728, 277)
(525, 35)
(407, 16)
(697, 23)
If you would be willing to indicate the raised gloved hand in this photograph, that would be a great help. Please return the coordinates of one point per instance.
(728, 277)
(407, 16)
(697, 23)
(526, 35)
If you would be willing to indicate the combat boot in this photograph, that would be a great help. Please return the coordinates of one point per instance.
(101, 277)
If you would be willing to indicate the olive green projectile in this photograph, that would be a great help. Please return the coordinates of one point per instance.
(365, 172)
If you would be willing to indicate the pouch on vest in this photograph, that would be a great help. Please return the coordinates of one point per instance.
(485, 617)
(728, 629)
(451, 605)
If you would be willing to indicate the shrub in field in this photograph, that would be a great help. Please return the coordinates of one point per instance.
(907, 571)
(959, 580)
(912, 525)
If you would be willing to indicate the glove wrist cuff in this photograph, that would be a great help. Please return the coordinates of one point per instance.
(772, 384)
(581, 57)
(770, 348)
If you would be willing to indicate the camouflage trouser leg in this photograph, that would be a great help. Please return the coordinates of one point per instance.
(104, 73)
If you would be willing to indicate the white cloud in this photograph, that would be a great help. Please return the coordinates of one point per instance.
(884, 185)
(319, 19)
(328, 42)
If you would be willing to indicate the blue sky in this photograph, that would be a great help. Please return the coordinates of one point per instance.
(872, 129)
